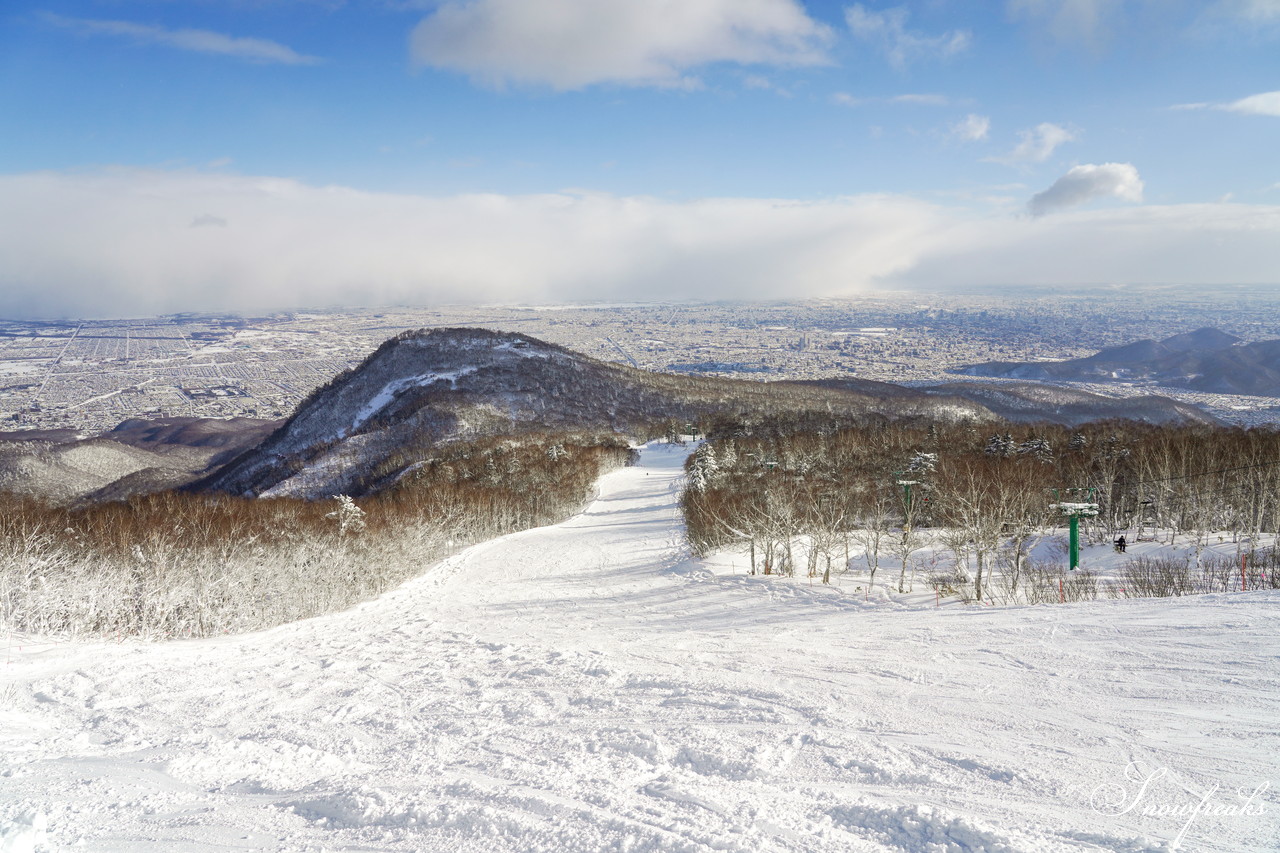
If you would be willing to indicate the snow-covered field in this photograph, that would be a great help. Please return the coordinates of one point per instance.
(590, 687)
(933, 559)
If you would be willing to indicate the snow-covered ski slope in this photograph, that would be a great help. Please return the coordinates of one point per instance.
(589, 687)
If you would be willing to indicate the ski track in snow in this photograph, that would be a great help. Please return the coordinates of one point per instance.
(590, 687)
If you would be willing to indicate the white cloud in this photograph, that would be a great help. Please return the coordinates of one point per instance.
(1264, 104)
(924, 100)
(1255, 11)
(764, 84)
(197, 41)
(972, 128)
(571, 44)
(1036, 145)
(1094, 23)
(119, 242)
(1087, 21)
(888, 29)
(1086, 183)
(844, 99)
(1191, 244)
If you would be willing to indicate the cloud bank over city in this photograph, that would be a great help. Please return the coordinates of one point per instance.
(255, 156)
(123, 242)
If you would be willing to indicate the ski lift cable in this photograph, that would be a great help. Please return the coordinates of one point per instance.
(1270, 464)
(1183, 500)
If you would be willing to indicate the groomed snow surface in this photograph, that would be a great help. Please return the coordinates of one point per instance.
(590, 687)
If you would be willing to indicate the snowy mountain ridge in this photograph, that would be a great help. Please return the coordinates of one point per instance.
(138, 456)
(368, 425)
(421, 388)
(395, 387)
(364, 429)
(1206, 359)
(418, 389)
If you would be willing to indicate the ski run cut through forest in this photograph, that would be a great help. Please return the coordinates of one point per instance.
(592, 686)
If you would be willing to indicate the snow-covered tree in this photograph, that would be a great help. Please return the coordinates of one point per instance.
(1038, 449)
(697, 479)
(729, 454)
(705, 468)
(350, 517)
(706, 457)
(923, 463)
(1001, 445)
(1113, 448)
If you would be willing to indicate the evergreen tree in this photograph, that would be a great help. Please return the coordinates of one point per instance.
(1038, 449)
(1001, 445)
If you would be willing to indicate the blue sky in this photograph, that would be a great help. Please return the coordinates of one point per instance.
(837, 147)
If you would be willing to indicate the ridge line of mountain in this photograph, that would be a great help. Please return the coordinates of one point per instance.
(1207, 360)
(419, 389)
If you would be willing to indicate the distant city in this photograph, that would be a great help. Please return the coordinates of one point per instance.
(89, 375)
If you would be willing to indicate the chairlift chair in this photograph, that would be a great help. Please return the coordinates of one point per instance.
(1147, 516)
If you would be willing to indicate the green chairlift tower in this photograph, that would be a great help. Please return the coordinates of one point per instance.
(901, 479)
(1081, 503)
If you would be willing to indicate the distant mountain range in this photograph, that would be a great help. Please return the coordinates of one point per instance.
(1031, 402)
(1207, 360)
(360, 431)
(137, 456)
(370, 425)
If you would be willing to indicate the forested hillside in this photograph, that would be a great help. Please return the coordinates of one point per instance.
(984, 495)
(176, 564)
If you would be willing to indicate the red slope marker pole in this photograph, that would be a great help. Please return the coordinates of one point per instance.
(1242, 558)
(1062, 596)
